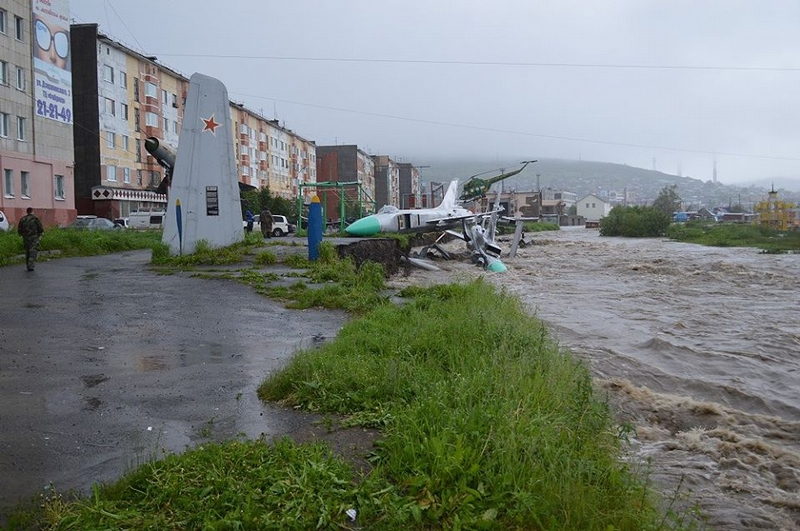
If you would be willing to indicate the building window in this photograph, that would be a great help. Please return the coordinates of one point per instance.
(111, 173)
(21, 128)
(110, 108)
(125, 142)
(135, 89)
(20, 78)
(123, 110)
(139, 154)
(9, 183)
(3, 72)
(19, 28)
(166, 125)
(164, 97)
(25, 185)
(4, 119)
(151, 119)
(111, 139)
(175, 127)
(123, 79)
(58, 186)
(3, 16)
(593, 205)
(136, 120)
(108, 73)
(155, 178)
(150, 90)
(139, 177)
(175, 100)
(126, 175)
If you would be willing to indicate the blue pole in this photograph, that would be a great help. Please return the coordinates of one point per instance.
(314, 228)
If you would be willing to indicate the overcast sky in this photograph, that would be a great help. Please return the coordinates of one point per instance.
(670, 84)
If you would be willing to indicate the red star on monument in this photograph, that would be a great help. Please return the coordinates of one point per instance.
(210, 124)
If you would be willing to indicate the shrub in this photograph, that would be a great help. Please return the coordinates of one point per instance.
(635, 222)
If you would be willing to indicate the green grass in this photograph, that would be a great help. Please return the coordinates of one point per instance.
(57, 242)
(735, 235)
(334, 283)
(487, 424)
(540, 226)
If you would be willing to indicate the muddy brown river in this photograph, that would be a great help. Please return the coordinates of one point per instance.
(698, 348)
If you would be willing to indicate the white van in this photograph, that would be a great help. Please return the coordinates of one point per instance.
(146, 220)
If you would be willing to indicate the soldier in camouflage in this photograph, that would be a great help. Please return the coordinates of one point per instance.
(30, 228)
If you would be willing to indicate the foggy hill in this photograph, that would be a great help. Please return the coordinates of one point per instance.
(585, 177)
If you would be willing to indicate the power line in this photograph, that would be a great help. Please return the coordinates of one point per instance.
(488, 63)
(523, 133)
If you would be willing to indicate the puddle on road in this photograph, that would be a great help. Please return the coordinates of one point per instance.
(186, 356)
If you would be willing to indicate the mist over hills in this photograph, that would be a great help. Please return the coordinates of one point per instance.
(587, 177)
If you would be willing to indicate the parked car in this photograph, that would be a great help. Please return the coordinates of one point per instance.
(93, 223)
(122, 222)
(146, 220)
(280, 225)
(4, 226)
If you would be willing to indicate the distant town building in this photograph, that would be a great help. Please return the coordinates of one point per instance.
(592, 208)
(569, 198)
(36, 112)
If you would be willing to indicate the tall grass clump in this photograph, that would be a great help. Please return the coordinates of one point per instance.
(488, 424)
(336, 283)
(235, 485)
(59, 242)
(204, 254)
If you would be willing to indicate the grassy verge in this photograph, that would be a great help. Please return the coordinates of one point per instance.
(735, 235)
(487, 424)
(68, 242)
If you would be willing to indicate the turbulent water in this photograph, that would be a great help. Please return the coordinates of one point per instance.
(697, 349)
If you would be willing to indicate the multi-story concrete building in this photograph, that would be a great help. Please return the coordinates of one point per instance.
(122, 98)
(36, 113)
(345, 164)
(270, 156)
(410, 193)
(387, 181)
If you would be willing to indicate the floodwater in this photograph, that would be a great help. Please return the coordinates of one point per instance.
(697, 348)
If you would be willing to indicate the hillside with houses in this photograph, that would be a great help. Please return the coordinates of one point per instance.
(609, 181)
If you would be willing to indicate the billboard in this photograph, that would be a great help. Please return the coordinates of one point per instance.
(52, 60)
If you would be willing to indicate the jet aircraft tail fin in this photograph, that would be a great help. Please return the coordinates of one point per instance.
(204, 181)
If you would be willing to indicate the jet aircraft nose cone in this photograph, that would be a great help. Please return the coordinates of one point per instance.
(367, 226)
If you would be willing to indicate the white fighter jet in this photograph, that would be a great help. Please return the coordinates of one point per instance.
(392, 219)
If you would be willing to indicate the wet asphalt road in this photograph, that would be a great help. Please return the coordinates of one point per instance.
(105, 363)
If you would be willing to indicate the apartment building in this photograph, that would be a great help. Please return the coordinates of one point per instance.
(270, 156)
(36, 113)
(387, 181)
(123, 97)
(410, 193)
(345, 164)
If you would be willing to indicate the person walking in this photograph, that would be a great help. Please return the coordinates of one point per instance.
(31, 230)
(266, 223)
(248, 216)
